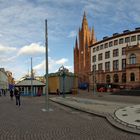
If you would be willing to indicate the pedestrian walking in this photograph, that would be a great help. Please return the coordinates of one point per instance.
(57, 92)
(17, 95)
(4, 92)
(11, 94)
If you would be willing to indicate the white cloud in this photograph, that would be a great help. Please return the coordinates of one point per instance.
(53, 65)
(32, 49)
(40, 66)
(72, 34)
(7, 54)
(5, 49)
(62, 61)
(7, 59)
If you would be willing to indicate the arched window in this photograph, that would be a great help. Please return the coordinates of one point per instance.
(132, 59)
(107, 78)
(124, 78)
(132, 77)
(116, 78)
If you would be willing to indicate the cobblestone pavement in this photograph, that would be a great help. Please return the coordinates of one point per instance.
(107, 97)
(28, 122)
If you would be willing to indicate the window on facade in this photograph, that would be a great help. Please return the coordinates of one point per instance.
(100, 66)
(123, 51)
(121, 41)
(94, 58)
(108, 79)
(101, 47)
(115, 42)
(93, 67)
(100, 56)
(138, 37)
(106, 45)
(97, 48)
(107, 66)
(110, 44)
(115, 65)
(116, 78)
(123, 64)
(132, 59)
(124, 78)
(115, 52)
(127, 39)
(107, 55)
(133, 38)
(132, 77)
(94, 50)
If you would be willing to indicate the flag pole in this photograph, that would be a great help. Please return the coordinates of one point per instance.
(31, 78)
(46, 76)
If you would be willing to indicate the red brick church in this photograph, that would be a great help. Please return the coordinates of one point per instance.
(82, 62)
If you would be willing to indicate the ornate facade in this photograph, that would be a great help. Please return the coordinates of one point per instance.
(116, 59)
(82, 51)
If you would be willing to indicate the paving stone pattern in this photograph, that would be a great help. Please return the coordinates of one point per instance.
(28, 122)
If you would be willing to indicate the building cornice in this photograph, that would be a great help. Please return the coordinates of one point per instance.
(114, 37)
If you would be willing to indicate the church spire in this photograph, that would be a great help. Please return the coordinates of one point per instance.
(76, 44)
(92, 36)
(84, 14)
(84, 22)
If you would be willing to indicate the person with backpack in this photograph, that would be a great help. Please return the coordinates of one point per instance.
(11, 94)
(17, 95)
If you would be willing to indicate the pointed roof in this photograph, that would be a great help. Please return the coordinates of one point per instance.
(76, 43)
(84, 15)
(27, 82)
(84, 22)
(92, 35)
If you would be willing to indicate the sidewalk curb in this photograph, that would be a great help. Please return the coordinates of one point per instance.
(112, 119)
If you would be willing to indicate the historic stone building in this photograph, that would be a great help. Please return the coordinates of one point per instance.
(3, 80)
(82, 52)
(11, 80)
(116, 59)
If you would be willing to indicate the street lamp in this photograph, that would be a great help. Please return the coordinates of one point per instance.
(46, 75)
(63, 72)
(94, 80)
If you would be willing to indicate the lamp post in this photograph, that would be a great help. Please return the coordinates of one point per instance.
(46, 44)
(31, 78)
(63, 75)
(94, 80)
(63, 71)
(46, 75)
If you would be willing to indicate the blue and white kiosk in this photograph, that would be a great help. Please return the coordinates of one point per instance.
(29, 87)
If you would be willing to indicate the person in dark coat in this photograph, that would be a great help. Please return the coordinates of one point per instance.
(57, 92)
(17, 95)
(11, 94)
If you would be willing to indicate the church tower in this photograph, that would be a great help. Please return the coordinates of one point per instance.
(82, 51)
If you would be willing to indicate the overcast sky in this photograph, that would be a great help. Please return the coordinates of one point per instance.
(22, 26)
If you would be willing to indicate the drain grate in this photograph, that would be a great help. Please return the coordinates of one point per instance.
(124, 115)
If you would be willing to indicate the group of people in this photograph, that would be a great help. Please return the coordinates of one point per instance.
(3, 92)
(15, 93)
